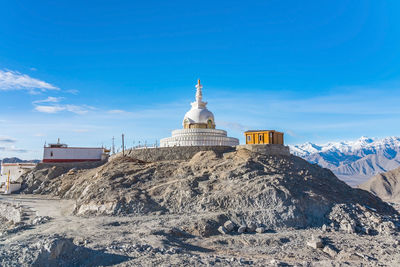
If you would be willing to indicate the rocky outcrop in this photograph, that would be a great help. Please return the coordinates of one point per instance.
(10, 212)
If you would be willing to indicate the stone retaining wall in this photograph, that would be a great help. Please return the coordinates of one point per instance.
(172, 153)
(267, 149)
(10, 213)
(187, 152)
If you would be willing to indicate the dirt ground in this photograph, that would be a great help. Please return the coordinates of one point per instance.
(161, 240)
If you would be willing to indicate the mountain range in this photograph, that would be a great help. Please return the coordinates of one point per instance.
(18, 160)
(353, 161)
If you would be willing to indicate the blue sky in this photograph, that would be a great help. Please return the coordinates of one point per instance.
(85, 71)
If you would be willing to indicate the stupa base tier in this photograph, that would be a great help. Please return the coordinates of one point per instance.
(199, 137)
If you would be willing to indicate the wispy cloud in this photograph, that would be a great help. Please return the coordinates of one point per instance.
(117, 111)
(233, 126)
(49, 99)
(51, 109)
(13, 149)
(4, 139)
(13, 80)
(72, 91)
(52, 105)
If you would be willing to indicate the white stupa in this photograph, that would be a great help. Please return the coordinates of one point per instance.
(199, 128)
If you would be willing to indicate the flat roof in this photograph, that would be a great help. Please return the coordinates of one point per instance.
(250, 131)
(19, 164)
(74, 147)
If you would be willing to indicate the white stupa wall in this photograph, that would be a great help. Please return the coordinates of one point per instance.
(199, 137)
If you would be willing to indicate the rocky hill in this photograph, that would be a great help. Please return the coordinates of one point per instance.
(385, 185)
(275, 191)
(354, 161)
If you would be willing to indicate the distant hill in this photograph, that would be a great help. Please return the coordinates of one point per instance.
(354, 161)
(17, 160)
(385, 185)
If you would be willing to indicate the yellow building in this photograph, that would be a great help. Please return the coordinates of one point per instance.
(254, 137)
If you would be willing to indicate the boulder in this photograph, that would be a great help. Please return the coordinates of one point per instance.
(222, 230)
(315, 242)
(229, 226)
(260, 230)
(252, 227)
(330, 251)
(242, 229)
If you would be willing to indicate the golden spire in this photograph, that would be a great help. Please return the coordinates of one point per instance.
(199, 95)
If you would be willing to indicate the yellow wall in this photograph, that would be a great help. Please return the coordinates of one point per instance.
(198, 125)
(264, 137)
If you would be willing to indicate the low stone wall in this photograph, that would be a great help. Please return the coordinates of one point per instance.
(172, 153)
(268, 149)
(187, 152)
(10, 213)
(70, 165)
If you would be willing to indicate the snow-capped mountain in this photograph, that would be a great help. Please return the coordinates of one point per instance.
(354, 161)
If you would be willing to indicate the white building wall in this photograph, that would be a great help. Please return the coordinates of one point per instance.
(15, 169)
(72, 154)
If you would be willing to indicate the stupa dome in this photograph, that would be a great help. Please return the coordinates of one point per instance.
(198, 115)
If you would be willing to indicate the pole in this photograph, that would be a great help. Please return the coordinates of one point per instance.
(8, 182)
(113, 146)
(123, 146)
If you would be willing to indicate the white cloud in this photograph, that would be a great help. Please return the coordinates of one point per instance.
(117, 111)
(50, 99)
(52, 105)
(49, 109)
(13, 80)
(72, 91)
(57, 108)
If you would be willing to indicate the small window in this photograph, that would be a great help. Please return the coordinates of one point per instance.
(51, 153)
(249, 138)
(260, 137)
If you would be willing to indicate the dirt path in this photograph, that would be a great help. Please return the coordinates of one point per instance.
(42, 205)
(60, 212)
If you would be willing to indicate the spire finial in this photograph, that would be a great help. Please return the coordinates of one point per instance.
(199, 95)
